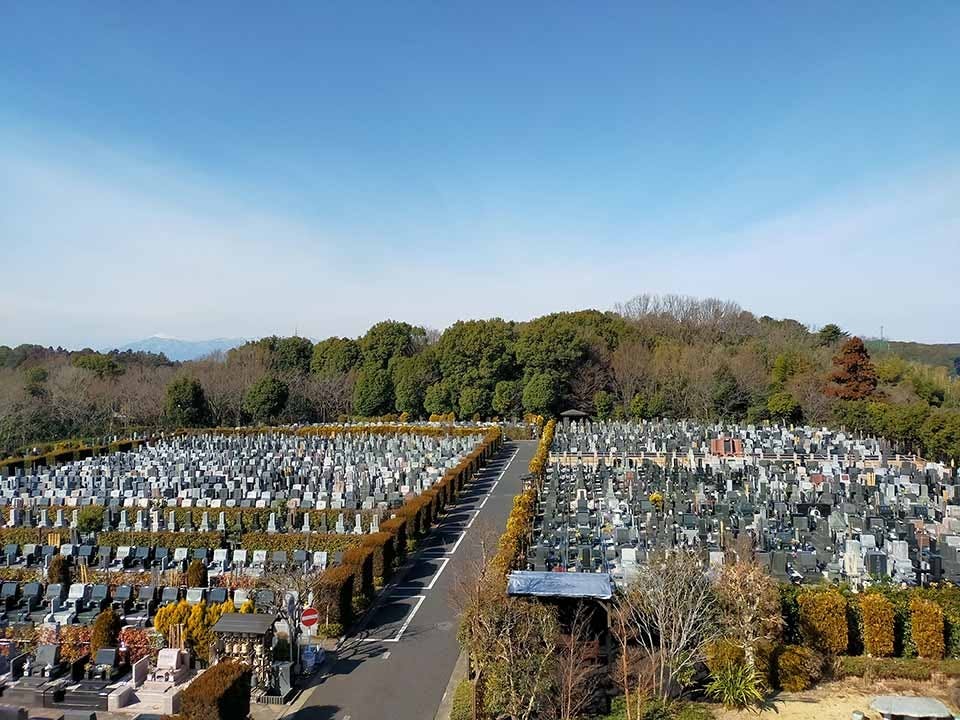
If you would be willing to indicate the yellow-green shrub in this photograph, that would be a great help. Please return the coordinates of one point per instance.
(823, 620)
(798, 668)
(878, 624)
(926, 621)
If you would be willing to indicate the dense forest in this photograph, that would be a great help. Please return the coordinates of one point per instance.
(653, 357)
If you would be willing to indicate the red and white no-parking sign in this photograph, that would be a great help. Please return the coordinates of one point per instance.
(309, 617)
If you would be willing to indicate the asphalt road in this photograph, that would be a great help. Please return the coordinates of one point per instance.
(397, 666)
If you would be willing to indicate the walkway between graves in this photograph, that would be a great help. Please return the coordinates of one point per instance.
(399, 664)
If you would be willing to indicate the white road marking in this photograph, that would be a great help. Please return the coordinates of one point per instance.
(385, 656)
(475, 516)
(456, 544)
(406, 623)
(433, 580)
(483, 502)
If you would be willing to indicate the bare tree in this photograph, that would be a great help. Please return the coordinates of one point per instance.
(512, 643)
(670, 612)
(293, 591)
(578, 677)
(750, 606)
(630, 364)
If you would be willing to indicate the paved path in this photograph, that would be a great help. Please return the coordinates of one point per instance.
(398, 665)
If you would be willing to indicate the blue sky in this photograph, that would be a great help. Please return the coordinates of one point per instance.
(235, 169)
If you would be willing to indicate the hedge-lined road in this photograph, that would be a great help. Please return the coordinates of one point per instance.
(399, 664)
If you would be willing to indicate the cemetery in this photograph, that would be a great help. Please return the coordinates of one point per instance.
(816, 505)
(205, 548)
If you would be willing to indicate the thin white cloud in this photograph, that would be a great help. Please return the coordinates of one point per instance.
(108, 246)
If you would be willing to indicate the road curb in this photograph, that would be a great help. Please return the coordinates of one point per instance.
(459, 673)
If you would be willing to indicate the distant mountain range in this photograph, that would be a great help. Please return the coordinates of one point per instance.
(180, 350)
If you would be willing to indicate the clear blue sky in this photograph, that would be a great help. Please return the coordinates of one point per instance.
(238, 169)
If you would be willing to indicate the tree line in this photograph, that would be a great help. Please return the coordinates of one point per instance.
(654, 356)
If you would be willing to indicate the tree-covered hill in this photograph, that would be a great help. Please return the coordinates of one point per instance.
(654, 357)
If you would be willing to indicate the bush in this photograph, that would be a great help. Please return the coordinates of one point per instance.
(197, 574)
(330, 630)
(462, 705)
(877, 617)
(926, 621)
(721, 654)
(59, 570)
(105, 631)
(333, 596)
(883, 668)
(823, 620)
(736, 686)
(798, 668)
(221, 691)
(90, 519)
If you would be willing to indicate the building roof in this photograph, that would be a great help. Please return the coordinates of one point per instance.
(573, 414)
(560, 584)
(249, 623)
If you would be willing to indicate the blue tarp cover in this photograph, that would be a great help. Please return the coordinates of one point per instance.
(560, 584)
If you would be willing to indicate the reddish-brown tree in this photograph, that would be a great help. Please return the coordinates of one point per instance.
(854, 377)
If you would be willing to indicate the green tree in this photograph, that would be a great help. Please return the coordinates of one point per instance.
(474, 401)
(638, 406)
(437, 400)
(266, 399)
(186, 404)
(411, 378)
(476, 353)
(550, 344)
(35, 379)
(602, 404)
(103, 366)
(292, 354)
(729, 399)
(389, 339)
(335, 355)
(541, 394)
(373, 392)
(507, 397)
(786, 365)
(783, 406)
(830, 334)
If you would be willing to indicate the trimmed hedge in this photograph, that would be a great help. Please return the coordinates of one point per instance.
(877, 618)
(823, 620)
(384, 553)
(190, 540)
(361, 559)
(221, 691)
(397, 527)
(883, 668)
(331, 542)
(926, 620)
(333, 595)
